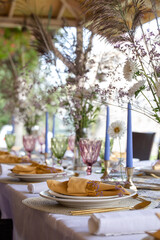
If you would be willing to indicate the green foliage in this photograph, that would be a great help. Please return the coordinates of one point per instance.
(17, 59)
(16, 43)
(5, 118)
(139, 91)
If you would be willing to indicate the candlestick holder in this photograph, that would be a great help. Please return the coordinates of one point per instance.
(129, 183)
(106, 170)
(45, 157)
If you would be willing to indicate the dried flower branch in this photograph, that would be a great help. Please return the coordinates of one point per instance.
(118, 22)
(113, 19)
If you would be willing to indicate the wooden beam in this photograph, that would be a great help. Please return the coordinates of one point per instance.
(12, 8)
(74, 14)
(19, 22)
(60, 14)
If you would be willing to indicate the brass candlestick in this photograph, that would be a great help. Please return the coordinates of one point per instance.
(45, 157)
(129, 183)
(106, 171)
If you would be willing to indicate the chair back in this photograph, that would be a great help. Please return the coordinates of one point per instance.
(142, 145)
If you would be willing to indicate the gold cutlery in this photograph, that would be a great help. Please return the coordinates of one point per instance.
(148, 187)
(136, 196)
(158, 215)
(141, 205)
(154, 175)
(147, 183)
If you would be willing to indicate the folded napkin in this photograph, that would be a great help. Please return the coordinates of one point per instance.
(8, 158)
(37, 187)
(125, 222)
(155, 235)
(4, 153)
(5, 169)
(24, 169)
(34, 168)
(84, 187)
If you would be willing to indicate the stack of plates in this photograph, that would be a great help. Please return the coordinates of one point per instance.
(40, 177)
(85, 202)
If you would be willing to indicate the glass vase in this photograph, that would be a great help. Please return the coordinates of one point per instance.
(78, 163)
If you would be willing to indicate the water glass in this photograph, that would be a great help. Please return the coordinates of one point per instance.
(10, 141)
(58, 147)
(89, 150)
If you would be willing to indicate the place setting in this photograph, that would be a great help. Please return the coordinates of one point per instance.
(37, 172)
(81, 196)
(153, 170)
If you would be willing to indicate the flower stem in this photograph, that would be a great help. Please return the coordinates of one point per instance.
(120, 158)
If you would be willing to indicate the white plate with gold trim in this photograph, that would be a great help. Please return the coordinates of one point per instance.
(40, 177)
(90, 203)
(54, 194)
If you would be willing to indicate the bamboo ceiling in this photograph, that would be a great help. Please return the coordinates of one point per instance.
(15, 13)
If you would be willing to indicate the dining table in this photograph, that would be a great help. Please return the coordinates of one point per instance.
(52, 223)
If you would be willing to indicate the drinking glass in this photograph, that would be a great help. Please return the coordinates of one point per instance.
(89, 150)
(71, 142)
(41, 140)
(58, 147)
(10, 141)
(29, 142)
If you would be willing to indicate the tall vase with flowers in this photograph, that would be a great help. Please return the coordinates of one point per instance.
(82, 110)
(123, 26)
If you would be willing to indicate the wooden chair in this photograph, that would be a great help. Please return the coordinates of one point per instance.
(142, 145)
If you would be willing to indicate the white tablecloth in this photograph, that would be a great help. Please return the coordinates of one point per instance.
(30, 224)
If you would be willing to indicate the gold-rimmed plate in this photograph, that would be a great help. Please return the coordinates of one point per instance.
(90, 203)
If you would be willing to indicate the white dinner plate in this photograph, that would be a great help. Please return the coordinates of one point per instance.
(79, 197)
(150, 170)
(40, 177)
(90, 203)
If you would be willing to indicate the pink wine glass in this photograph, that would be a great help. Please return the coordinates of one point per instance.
(29, 142)
(41, 140)
(89, 150)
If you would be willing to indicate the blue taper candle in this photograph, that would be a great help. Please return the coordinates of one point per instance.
(107, 141)
(13, 126)
(53, 128)
(129, 160)
(46, 134)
